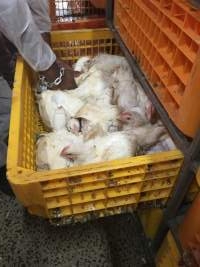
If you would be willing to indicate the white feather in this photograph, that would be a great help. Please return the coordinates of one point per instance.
(94, 85)
(49, 148)
(108, 147)
(108, 63)
(106, 116)
(82, 64)
(57, 107)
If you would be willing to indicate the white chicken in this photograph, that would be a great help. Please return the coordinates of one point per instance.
(125, 89)
(82, 64)
(114, 145)
(106, 117)
(92, 115)
(51, 148)
(164, 144)
(104, 62)
(146, 135)
(129, 95)
(57, 107)
(94, 85)
(62, 149)
(144, 102)
(108, 147)
(108, 63)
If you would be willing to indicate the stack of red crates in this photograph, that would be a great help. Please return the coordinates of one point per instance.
(75, 14)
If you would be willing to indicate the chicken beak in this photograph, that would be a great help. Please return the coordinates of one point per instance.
(65, 154)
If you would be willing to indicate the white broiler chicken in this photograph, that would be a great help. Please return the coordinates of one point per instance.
(92, 115)
(104, 62)
(165, 144)
(124, 89)
(57, 108)
(93, 120)
(82, 64)
(108, 147)
(129, 95)
(95, 85)
(115, 145)
(144, 102)
(52, 146)
(146, 135)
(96, 80)
(108, 63)
(63, 149)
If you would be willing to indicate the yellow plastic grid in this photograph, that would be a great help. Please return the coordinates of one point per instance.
(80, 192)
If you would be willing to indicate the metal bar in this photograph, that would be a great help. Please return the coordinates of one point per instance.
(183, 183)
(174, 230)
(195, 4)
(109, 10)
(195, 166)
(195, 147)
(189, 169)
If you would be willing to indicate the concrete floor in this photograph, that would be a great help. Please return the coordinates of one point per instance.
(31, 241)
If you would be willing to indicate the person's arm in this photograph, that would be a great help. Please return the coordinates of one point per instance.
(17, 24)
(40, 13)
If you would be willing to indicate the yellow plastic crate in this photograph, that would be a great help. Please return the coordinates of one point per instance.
(79, 193)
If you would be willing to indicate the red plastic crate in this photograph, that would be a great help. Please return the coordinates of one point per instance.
(164, 36)
(75, 14)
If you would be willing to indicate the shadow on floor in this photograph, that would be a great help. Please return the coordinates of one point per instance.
(31, 241)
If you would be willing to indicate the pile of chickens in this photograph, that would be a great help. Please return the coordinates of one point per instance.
(106, 117)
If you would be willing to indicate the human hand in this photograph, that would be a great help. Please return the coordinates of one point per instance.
(67, 80)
